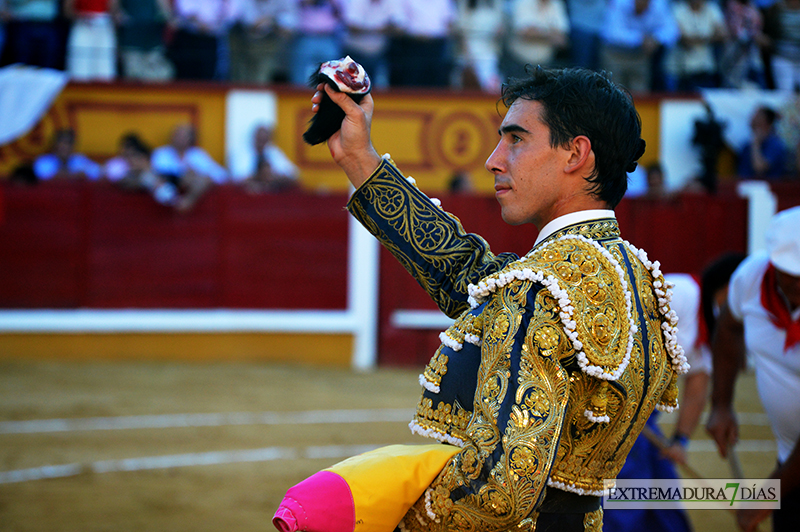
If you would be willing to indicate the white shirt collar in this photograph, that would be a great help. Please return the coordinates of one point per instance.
(572, 218)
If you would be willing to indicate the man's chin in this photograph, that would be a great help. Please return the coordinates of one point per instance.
(509, 218)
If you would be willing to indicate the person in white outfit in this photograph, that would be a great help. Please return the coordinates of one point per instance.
(762, 319)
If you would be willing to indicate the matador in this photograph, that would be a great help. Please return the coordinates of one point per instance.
(556, 359)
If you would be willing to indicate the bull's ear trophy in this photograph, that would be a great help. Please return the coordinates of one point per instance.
(344, 75)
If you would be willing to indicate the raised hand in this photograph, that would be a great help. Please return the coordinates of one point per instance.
(351, 146)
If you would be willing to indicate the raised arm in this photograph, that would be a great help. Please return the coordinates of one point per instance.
(351, 146)
(430, 243)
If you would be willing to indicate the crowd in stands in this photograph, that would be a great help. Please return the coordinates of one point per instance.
(648, 45)
(176, 174)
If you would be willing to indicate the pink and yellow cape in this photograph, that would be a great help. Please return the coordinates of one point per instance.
(370, 492)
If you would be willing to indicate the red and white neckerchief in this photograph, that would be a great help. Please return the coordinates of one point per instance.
(775, 305)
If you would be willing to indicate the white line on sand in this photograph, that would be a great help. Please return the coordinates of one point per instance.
(256, 455)
(306, 417)
(183, 460)
(252, 455)
(205, 420)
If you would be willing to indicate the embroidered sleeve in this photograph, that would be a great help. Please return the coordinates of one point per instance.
(496, 481)
(430, 243)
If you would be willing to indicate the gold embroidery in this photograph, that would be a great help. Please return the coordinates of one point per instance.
(445, 419)
(595, 291)
(593, 521)
(589, 452)
(598, 401)
(467, 328)
(527, 446)
(496, 479)
(670, 396)
(436, 367)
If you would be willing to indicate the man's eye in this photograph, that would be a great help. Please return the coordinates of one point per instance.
(515, 139)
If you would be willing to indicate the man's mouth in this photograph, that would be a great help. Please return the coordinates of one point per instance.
(501, 188)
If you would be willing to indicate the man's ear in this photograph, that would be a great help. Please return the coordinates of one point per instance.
(581, 156)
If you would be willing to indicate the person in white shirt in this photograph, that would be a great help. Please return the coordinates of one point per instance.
(188, 166)
(265, 168)
(698, 302)
(92, 42)
(420, 53)
(538, 29)
(368, 24)
(63, 162)
(762, 319)
(481, 25)
(702, 27)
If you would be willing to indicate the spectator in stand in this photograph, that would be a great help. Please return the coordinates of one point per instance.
(636, 35)
(198, 44)
(420, 55)
(538, 29)
(187, 166)
(782, 26)
(762, 319)
(764, 155)
(34, 36)
(131, 170)
(92, 43)
(63, 162)
(461, 182)
(480, 27)
(141, 39)
(266, 168)
(318, 30)
(258, 39)
(656, 185)
(788, 129)
(116, 168)
(741, 63)
(368, 24)
(585, 29)
(702, 29)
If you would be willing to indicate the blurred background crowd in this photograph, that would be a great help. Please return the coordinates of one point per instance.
(659, 47)
(650, 45)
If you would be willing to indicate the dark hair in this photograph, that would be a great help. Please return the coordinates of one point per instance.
(715, 277)
(578, 101)
(135, 143)
(769, 113)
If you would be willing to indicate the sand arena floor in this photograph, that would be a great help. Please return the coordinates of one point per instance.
(154, 446)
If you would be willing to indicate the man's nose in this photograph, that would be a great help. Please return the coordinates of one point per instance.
(494, 163)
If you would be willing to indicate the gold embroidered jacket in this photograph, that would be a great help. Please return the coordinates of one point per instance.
(551, 369)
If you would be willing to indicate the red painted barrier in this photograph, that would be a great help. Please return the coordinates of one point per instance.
(70, 245)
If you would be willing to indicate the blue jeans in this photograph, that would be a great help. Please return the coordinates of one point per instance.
(308, 52)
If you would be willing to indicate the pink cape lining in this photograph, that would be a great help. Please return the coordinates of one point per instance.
(320, 503)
